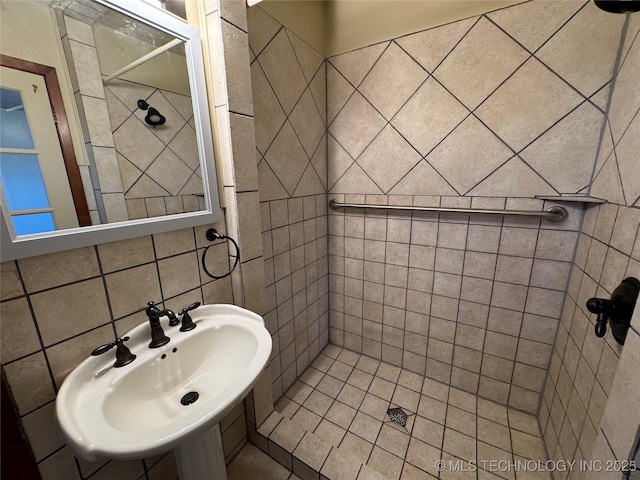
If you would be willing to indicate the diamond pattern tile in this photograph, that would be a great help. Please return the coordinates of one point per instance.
(340, 161)
(417, 123)
(423, 180)
(129, 93)
(269, 187)
(318, 87)
(118, 112)
(482, 60)
(341, 90)
(394, 68)
(357, 125)
(319, 161)
(627, 155)
(388, 158)
(129, 173)
(543, 20)
(182, 103)
(145, 187)
(169, 172)
(607, 183)
(287, 158)
(262, 29)
(513, 179)
(355, 65)
(565, 154)
(269, 115)
(307, 123)
(441, 41)
(355, 180)
(308, 58)
(281, 67)
(584, 51)
(468, 155)
(136, 143)
(309, 184)
(185, 146)
(626, 101)
(518, 119)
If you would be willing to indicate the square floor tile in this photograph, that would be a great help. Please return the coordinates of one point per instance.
(365, 427)
(393, 441)
(356, 446)
(341, 414)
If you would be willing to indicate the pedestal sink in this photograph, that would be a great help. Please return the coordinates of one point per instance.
(168, 398)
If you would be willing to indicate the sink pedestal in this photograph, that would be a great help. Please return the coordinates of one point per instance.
(202, 457)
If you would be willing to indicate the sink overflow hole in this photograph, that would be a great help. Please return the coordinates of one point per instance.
(397, 415)
(189, 398)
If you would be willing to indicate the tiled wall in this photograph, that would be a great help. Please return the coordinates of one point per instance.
(53, 316)
(508, 104)
(591, 405)
(56, 308)
(470, 301)
(159, 166)
(288, 80)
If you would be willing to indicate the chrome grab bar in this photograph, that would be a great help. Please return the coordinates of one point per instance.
(553, 214)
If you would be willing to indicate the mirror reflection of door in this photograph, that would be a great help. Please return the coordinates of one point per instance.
(35, 183)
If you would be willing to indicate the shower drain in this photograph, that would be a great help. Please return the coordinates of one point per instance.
(397, 415)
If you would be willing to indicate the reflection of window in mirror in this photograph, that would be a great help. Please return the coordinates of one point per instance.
(40, 179)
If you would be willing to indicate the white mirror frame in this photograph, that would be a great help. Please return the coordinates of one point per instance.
(13, 247)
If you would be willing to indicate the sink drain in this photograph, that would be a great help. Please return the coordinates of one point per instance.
(189, 398)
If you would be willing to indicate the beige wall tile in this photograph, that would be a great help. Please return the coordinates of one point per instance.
(126, 253)
(51, 270)
(30, 382)
(130, 290)
(19, 335)
(57, 322)
(236, 55)
(179, 274)
(11, 285)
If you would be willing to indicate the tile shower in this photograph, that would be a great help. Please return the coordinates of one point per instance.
(450, 309)
(471, 325)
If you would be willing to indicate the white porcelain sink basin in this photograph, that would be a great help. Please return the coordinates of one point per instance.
(135, 411)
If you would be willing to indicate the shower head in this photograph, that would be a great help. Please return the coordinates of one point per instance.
(618, 6)
(154, 117)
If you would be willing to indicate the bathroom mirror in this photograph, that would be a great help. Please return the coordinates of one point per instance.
(105, 129)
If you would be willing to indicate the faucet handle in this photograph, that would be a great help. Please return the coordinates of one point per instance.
(187, 321)
(151, 309)
(123, 354)
(193, 306)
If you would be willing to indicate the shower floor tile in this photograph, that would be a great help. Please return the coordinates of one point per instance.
(350, 402)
